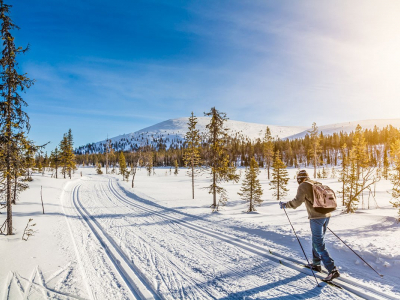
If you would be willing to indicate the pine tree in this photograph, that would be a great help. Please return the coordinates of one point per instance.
(67, 156)
(386, 165)
(176, 167)
(98, 169)
(149, 162)
(251, 190)
(192, 154)
(343, 173)
(64, 155)
(268, 150)
(55, 160)
(351, 184)
(280, 178)
(218, 157)
(315, 147)
(353, 187)
(13, 119)
(122, 166)
(359, 148)
(395, 176)
(71, 158)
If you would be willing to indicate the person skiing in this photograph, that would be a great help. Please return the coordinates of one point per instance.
(318, 222)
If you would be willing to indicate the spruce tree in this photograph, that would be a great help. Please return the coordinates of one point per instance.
(149, 162)
(315, 149)
(176, 167)
(386, 165)
(13, 119)
(280, 178)
(218, 158)
(359, 148)
(71, 158)
(268, 150)
(251, 190)
(343, 173)
(122, 166)
(98, 169)
(55, 160)
(67, 156)
(64, 155)
(395, 176)
(192, 154)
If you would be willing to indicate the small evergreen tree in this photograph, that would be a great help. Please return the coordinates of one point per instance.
(280, 178)
(359, 148)
(218, 158)
(67, 156)
(13, 120)
(55, 160)
(122, 166)
(251, 190)
(149, 162)
(315, 149)
(176, 167)
(98, 169)
(192, 153)
(386, 165)
(268, 150)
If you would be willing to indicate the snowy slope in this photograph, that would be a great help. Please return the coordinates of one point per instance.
(172, 132)
(350, 126)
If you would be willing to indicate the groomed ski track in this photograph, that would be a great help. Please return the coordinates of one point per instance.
(159, 253)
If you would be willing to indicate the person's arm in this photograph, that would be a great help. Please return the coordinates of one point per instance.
(300, 197)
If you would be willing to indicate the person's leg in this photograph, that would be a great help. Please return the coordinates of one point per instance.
(316, 256)
(318, 229)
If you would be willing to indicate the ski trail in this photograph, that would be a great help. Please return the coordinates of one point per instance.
(83, 273)
(217, 277)
(346, 283)
(136, 285)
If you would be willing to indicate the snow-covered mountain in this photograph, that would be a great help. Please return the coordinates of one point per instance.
(350, 126)
(171, 132)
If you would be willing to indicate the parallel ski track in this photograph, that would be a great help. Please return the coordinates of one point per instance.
(174, 266)
(347, 284)
(136, 282)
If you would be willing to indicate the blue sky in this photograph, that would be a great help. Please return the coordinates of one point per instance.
(105, 67)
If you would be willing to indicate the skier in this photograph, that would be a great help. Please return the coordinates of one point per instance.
(318, 223)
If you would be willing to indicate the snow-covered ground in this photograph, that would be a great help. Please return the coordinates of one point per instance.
(101, 239)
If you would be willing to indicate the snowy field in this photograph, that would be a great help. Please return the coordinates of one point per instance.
(101, 239)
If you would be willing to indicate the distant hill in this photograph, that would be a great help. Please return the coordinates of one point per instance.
(171, 133)
(350, 126)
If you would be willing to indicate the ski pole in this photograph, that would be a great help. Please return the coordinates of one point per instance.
(355, 253)
(301, 247)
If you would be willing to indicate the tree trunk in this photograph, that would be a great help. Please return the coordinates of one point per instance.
(278, 182)
(15, 189)
(192, 180)
(214, 192)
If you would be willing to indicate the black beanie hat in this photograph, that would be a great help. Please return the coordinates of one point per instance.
(301, 175)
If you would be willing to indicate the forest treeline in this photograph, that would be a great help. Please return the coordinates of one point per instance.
(295, 152)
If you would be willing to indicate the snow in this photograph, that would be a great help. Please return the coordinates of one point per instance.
(172, 132)
(350, 126)
(101, 239)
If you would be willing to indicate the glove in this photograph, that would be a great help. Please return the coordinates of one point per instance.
(282, 204)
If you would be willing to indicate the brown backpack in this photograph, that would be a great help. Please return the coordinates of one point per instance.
(324, 197)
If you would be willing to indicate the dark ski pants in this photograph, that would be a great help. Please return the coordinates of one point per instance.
(319, 251)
